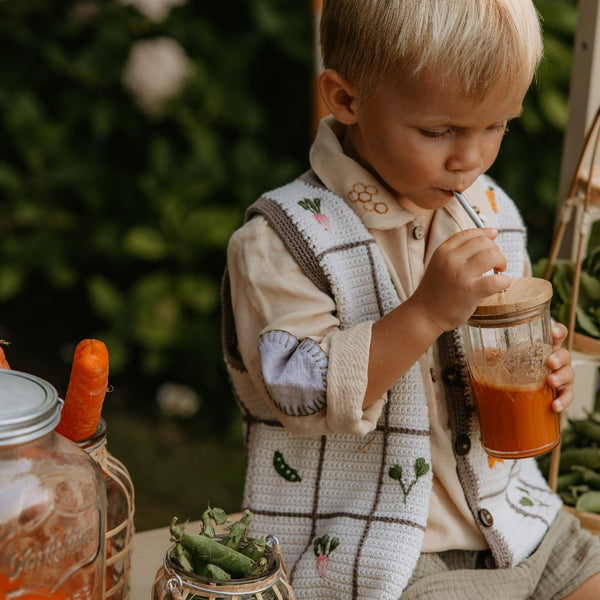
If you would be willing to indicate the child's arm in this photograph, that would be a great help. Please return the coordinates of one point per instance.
(452, 287)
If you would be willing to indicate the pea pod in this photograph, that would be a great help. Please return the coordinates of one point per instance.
(589, 502)
(568, 438)
(184, 557)
(566, 480)
(215, 572)
(589, 476)
(237, 531)
(211, 551)
(585, 457)
(586, 428)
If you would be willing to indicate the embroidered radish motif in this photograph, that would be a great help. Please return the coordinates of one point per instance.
(323, 546)
(314, 206)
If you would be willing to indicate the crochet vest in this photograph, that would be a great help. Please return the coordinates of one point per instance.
(349, 511)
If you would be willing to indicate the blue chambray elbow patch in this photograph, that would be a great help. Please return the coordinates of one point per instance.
(294, 372)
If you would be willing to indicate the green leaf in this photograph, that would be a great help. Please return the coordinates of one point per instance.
(587, 323)
(145, 242)
(106, 298)
(421, 467)
(11, 281)
(590, 287)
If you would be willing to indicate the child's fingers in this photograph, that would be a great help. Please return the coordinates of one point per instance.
(561, 379)
(559, 334)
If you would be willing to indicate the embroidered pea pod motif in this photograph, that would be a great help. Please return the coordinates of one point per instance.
(528, 500)
(322, 547)
(283, 469)
(420, 468)
(314, 206)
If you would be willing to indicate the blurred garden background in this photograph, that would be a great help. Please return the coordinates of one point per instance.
(134, 133)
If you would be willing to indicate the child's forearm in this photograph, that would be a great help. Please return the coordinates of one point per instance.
(398, 340)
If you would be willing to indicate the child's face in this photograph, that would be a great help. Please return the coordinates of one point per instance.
(424, 140)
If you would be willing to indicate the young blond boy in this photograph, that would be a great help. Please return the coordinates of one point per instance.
(342, 302)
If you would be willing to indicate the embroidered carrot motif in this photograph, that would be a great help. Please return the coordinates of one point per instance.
(491, 196)
(420, 467)
(492, 460)
(314, 206)
(322, 547)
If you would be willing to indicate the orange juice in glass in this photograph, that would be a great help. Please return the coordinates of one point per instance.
(507, 341)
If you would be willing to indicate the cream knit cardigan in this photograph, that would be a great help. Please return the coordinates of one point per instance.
(349, 511)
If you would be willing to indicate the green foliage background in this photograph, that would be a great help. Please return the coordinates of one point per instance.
(113, 224)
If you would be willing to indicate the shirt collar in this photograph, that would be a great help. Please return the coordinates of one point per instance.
(361, 190)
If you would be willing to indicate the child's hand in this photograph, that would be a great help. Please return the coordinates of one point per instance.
(562, 378)
(453, 284)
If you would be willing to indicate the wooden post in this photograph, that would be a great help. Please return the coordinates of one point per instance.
(584, 100)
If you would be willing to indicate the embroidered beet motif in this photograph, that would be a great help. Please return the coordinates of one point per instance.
(323, 546)
(420, 468)
(314, 206)
(284, 469)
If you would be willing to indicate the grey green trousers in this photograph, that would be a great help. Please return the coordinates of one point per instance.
(566, 557)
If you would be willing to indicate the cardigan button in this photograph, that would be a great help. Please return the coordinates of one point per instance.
(462, 445)
(433, 374)
(418, 232)
(485, 516)
(451, 376)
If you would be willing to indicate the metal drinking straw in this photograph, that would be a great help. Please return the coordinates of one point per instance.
(469, 209)
(474, 216)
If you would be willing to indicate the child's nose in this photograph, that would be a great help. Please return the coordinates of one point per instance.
(466, 155)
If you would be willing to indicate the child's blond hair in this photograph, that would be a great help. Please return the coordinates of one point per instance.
(475, 43)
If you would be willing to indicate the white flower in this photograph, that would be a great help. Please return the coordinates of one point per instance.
(155, 71)
(177, 400)
(154, 10)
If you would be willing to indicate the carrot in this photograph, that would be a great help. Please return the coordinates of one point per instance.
(86, 391)
(3, 362)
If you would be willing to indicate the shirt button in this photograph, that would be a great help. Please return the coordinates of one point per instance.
(418, 232)
(485, 516)
(462, 445)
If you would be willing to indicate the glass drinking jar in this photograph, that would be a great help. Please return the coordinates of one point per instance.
(119, 515)
(172, 583)
(508, 341)
(52, 500)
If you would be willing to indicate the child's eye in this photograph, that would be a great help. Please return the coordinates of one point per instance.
(434, 134)
(503, 127)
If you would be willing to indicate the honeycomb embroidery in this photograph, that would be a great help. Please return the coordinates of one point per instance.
(365, 194)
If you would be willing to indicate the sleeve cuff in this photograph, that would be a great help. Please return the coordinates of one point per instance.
(347, 380)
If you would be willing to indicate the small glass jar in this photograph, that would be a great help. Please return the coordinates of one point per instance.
(172, 583)
(507, 342)
(52, 500)
(119, 515)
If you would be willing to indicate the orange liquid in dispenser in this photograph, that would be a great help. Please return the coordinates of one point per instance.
(516, 421)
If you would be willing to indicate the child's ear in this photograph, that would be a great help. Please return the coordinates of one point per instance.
(339, 96)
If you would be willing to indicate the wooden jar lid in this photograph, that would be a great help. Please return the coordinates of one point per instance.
(522, 294)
